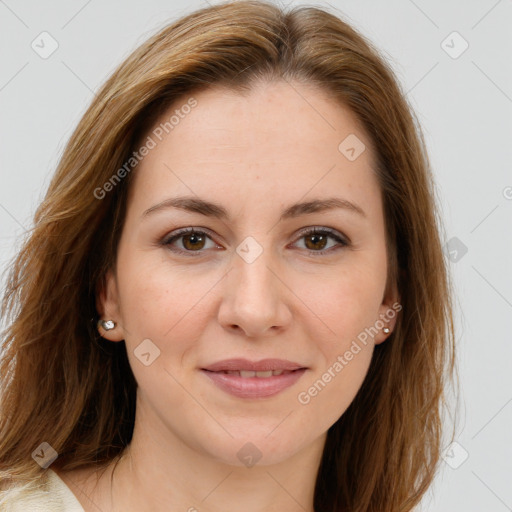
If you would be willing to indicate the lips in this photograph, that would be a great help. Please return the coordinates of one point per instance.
(248, 373)
(241, 365)
(254, 379)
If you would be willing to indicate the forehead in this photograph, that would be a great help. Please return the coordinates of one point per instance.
(277, 115)
(279, 140)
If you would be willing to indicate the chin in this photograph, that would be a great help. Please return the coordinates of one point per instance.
(261, 447)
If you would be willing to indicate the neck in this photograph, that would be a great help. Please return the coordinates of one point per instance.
(159, 471)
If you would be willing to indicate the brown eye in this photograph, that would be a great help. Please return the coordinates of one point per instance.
(316, 240)
(193, 241)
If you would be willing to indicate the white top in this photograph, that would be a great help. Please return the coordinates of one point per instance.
(53, 495)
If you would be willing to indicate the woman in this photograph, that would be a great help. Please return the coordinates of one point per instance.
(235, 290)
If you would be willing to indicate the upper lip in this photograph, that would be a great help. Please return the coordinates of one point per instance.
(255, 366)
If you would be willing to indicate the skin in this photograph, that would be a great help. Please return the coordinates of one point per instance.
(255, 155)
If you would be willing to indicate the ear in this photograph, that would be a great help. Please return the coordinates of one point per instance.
(388, 313)
(107, 305)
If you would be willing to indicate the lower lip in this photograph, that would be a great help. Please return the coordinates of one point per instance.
(254, 387)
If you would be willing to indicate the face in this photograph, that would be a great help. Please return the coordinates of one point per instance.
(255, 283)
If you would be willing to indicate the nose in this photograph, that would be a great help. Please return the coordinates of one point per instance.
(254, 298)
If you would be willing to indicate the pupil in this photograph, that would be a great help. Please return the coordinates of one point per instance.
(313, 240)
(195, 237)
(316, 239)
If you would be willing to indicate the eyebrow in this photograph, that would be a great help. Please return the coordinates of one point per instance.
(197, 205)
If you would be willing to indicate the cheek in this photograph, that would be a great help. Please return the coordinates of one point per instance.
(162, 302)
(162, 305)
(331, 391)
(342, 368)
(349, 306)
(345, 301)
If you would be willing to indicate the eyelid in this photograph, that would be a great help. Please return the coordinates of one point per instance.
(323, 229)
(178, 233)
(343, 240)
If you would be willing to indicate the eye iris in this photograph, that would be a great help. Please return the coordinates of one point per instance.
(196, 237)
(316, 237)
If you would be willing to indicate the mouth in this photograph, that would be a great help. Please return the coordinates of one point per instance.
(246, 374)
(250, 384)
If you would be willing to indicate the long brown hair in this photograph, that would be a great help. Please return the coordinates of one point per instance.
(62, 385)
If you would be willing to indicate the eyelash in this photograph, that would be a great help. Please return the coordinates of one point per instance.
(307, 232)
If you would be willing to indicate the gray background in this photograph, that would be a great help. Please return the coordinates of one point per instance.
(463, 101)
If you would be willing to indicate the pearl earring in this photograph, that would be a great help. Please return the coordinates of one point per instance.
(386, 330)
(107, 325)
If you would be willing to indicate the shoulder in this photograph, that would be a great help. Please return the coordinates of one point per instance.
(48, 494)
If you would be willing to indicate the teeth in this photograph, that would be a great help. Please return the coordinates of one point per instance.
(264, 374)
(248, 374)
